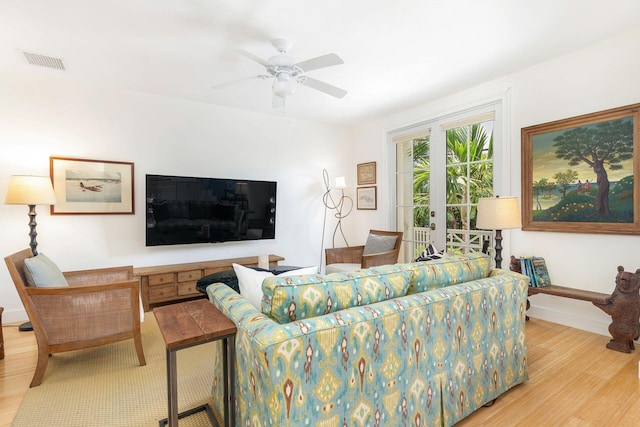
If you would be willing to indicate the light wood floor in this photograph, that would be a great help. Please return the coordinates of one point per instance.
(573, 381)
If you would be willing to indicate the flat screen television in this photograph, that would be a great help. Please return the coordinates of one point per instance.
(184, 210)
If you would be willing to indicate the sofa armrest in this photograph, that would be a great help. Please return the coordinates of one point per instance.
(349, 255)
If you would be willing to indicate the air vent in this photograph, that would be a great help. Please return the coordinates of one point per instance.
(44, 60)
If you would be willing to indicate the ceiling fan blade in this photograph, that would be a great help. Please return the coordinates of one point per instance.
(234, 82)
(328, 60)
(255, 58)
(323, 87)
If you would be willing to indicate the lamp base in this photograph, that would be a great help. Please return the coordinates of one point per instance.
(25, 327)
(498, 249)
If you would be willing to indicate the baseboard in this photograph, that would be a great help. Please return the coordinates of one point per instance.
(14, 316)
(576, 314)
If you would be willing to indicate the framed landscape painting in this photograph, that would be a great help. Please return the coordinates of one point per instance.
(578, 174)
(85, 186)
(367, 198)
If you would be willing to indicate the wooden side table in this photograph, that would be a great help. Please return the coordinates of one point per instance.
(188, 324)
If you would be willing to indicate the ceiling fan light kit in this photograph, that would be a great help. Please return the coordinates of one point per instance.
(282, 86)
(287, 73)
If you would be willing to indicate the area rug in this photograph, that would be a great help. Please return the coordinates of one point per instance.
(106, 386)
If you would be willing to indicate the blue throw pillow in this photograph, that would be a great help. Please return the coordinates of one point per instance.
(41, 272)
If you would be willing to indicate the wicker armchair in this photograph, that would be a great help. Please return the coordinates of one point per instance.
(98, 307)
(353, 257)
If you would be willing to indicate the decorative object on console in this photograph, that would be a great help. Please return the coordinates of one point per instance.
(263, 261)
(498, 213)
(339, 206)
(366, 173)
(368, 198)
(31, 191)
(85, 186)
(624, 308)
(578, 202)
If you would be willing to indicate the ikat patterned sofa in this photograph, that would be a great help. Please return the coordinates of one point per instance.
(420, 344)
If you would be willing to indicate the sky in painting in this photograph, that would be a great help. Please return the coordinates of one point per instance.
(546, 164)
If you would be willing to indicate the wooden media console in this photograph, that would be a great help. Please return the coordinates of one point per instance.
(164, 284)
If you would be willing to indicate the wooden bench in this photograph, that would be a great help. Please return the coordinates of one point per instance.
(623, 329)
(561, 291)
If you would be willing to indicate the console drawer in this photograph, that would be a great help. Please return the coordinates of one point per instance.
(187, 288)
(161, 293)
(208, 271)
(160, 279)
(187, 276)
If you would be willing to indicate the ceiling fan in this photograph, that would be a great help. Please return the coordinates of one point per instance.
(287, 73)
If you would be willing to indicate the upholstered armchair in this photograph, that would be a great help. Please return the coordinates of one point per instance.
(82, 309)
(381, 248)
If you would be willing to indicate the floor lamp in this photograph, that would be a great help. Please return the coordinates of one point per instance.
(498, 213)
(339, 205)
(31, 191)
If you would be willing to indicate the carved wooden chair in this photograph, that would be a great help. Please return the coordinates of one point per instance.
(355, 257)
(99, 306)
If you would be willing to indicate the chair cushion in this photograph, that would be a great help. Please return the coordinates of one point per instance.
(287, 299)
(41, 272)
(250, 281)
(377, 243)
(342, 267)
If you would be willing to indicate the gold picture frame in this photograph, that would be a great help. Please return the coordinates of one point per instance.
(578, 173)
(84, 186)
(367, 173)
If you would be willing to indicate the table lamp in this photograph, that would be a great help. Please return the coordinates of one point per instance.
(498, 213)
(31, 191)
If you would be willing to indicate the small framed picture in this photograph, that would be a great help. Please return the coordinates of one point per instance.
(85, 186)
(367, 173)
(367, 198)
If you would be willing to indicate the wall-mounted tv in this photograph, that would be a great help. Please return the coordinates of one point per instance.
(183, 210)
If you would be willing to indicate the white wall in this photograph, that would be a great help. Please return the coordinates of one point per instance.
(601, 77)
(41, 116)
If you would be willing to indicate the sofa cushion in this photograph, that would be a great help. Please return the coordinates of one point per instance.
(287, 299)
(448, 271)
(377, 244)
(41, 272)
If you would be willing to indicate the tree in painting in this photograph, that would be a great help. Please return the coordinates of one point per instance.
(606, 144)
(565, 179)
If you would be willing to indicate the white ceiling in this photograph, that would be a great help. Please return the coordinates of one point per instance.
(397, 54)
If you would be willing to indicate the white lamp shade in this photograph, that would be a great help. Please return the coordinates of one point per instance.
(498, 213)
(341, 182)
(30, 190)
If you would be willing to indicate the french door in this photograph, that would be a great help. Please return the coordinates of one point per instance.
(443, 167)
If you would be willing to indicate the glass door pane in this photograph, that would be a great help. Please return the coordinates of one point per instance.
(413, 193)
(469, 176)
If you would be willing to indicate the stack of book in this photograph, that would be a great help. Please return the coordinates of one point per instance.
(536, 269)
